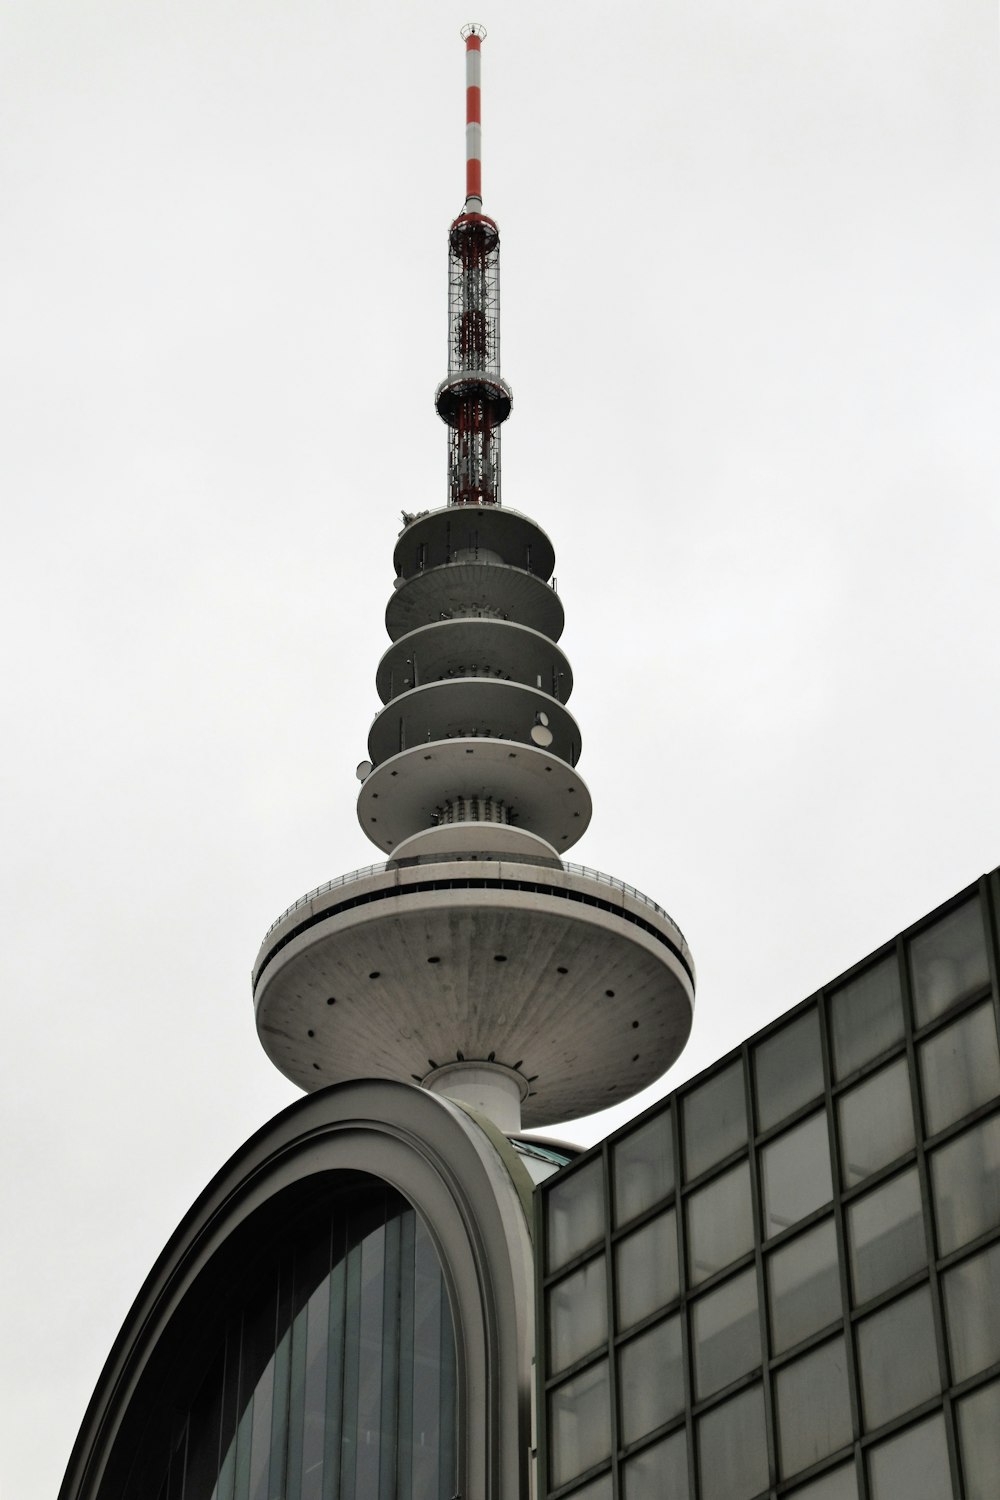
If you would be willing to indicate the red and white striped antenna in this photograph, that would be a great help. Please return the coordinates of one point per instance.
(473, 35)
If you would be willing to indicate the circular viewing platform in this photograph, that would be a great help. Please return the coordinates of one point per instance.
(466, 590)
(474, 648)
(402, 795)
(436, 536)
(467, 707)
(573, 981)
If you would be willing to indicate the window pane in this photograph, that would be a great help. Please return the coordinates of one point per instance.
(597, 1489)
(965, 1175)
(948, 962)
(725, 1331)
(720, 1223)
(659, 1471)
(715, 1122)
(646, 1268)
(789, 1070)
(795, 1171)
(314, 1377)
(885, 1232)
(912, 1466)
(972, 1297)
(842, 1484)
(643, 1168)
(876, 1123)
(732, 1450)
(575, 1213)
(979, 1436)
(866, 1017)
(651, 1379)
(579, 1424)
(814, 1407)
(578, 1315)
(960, 1068)
(898, 1358)
(805, 1286)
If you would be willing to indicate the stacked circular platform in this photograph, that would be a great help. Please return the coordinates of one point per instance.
(475, 962)
(474, 726)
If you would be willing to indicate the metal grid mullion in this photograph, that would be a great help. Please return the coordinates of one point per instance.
(611, 1295)
(991, 913)
(923, 1173)
(757, 1212)
(840, 1230)
(687, 1366)
(541, 1346)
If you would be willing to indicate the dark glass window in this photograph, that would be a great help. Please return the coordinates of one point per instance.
(979, 1438)
(725, 1334)
(866, 1017)
(732, 1448)
(715, 1120)
(646, 1269)
(842, 1484)
(579, 1424)
(960, 1068)
(643, 1168)
(804, 1284)
(795, 1172)
(913, 1465)
(814, 1407)
(789, 1070)
(885, 1233)
(720, 1223)
(898, 1358)
(876, 1123)
(336, 1375)
(597, 1489)
(651, 1379)
(948, 962)
(972, 1297)
(575, 1213)
(578, 1314)
(965, 1175)
(658, 1471)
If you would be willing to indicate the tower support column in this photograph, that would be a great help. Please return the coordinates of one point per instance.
(487, 1087)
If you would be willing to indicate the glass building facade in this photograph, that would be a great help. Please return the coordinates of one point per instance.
(781, 1281)
(784, 1279)
(331, 1375)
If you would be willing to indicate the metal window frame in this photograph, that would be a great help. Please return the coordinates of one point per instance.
(987, 889)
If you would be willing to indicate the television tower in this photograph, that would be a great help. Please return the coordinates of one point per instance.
(476, 961)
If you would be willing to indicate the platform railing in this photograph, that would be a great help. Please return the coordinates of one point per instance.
(378, 869)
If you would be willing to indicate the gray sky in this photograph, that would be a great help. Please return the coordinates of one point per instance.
(750, 315)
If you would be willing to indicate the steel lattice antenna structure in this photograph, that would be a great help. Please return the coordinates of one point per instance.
(473, 399)
(476, 962)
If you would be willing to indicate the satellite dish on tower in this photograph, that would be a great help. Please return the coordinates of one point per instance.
(364, 770)
(541, 734)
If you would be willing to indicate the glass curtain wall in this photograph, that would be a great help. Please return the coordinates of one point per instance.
(784, 1279)
(334, 1377)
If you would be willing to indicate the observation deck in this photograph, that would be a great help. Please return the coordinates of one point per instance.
(573, 985)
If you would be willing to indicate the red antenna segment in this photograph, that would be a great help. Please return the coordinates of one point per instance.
(473, 35)
(473, 399)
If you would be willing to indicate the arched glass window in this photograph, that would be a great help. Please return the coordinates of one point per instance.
(330, 1374)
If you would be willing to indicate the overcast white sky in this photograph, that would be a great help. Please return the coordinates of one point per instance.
(750, 315)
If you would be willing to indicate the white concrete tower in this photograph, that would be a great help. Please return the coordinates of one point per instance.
(476, 961)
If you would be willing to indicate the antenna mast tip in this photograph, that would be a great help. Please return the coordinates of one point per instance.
(473, 28)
